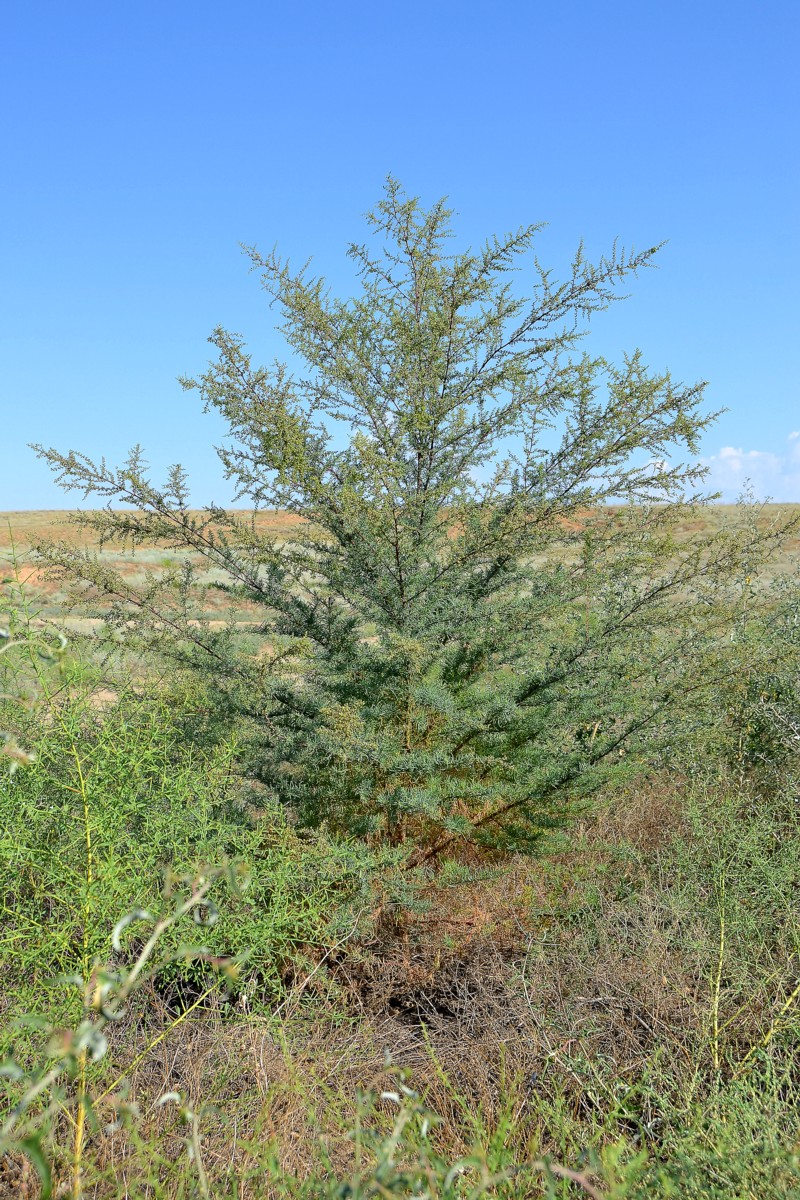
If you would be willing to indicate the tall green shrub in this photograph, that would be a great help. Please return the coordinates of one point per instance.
(482, 614)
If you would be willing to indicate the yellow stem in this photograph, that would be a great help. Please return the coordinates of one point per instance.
(715, 1036)
(773, 1029)
(80, 1130)
(83, 791)
(151, 1045)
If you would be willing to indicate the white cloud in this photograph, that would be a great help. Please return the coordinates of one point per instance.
(776, 476)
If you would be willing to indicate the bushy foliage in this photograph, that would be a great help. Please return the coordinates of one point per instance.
(764, 705)
(153, 807)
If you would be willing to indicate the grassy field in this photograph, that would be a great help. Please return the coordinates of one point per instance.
(26, 528)
(22, 530)
(616, 1017)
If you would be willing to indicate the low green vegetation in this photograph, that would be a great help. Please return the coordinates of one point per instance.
(436, 836)
(622, 1006)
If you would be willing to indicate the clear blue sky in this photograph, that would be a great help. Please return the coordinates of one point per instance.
(141, 143)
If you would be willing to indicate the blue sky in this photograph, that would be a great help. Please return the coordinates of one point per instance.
(141, 143)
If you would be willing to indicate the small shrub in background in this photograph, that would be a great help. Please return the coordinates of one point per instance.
(113, 803)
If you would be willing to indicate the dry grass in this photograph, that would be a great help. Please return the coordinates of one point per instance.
(502, 998)
(25, 529)
(21, 531)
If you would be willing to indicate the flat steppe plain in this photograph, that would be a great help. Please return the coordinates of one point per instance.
(21, 531)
